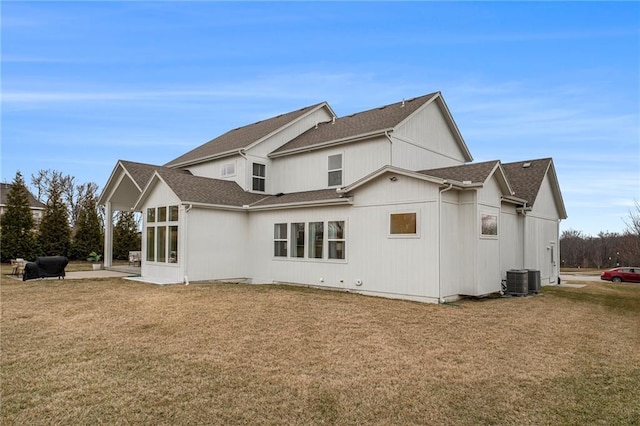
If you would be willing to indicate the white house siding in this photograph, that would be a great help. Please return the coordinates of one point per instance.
(384, 265)
(309, 171)
(217, 245)
(468, 242)
(160, 196)
(489, 277)
(426, 141)
(541, 235)
(450, 245)
(511, 235)
(213, 169)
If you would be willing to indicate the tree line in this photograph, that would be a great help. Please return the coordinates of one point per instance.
(72, 225)
(606, 250)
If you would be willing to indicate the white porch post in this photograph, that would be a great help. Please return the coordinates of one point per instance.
(108, 235)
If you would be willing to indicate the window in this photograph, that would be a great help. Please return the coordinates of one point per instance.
(151, 214)
(489, 225)
(162, 234)
(336, 240)
(403, 224)
(228, 170)
(335, 170)
(151, 244)
(316, 239)
(280, 240)
(297, 240)
(259, 177)
(319, 235)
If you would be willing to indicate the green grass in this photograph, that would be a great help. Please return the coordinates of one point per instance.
(113, 351)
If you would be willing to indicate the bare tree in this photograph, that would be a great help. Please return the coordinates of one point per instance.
(630, 250)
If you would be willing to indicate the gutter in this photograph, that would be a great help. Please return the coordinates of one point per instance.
(440, 192)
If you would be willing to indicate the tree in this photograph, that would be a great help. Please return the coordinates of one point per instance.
(125, 235)
(17, 239)
(88, 231)
(630, 247)
(55, 232)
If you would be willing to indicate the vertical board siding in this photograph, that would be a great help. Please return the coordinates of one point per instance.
(308, 171)
(428, 129)
(511, 240)
(213, 169)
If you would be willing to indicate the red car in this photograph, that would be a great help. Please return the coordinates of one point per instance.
(631, 275)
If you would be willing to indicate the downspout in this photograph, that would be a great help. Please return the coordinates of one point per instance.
(185, 245)
(386, 133)
(443, 190)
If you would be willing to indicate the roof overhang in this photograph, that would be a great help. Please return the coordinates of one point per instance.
(121, 189)
(335, 142)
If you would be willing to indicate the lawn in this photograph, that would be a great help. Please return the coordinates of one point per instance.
(119, 352)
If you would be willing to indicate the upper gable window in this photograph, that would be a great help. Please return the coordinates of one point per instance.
(228, 170)
(335, 170)
(259, 177)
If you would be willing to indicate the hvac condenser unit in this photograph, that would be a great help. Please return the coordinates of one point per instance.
(518, 282)
(534, 281)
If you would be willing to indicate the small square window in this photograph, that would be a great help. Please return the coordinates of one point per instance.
(489, 225)
(403, 223)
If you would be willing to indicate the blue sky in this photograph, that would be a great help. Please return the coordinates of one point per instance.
(87, 83)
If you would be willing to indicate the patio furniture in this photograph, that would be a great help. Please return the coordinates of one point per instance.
(45, 267)
(135, 258)
(18, 266)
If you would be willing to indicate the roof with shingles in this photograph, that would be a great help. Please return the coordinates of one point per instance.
(6, 187)
(475, 173)
(526, 181)
(299, 197)
(241, 137)
(140, 172)
(362, 123)
(198, 189)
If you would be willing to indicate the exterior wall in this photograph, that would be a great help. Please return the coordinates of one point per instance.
(541, 239)
(426, 141)
(213, 169)
(376, 263)
(450, 244)
(511, 239)
(468, 243)
(308, 171)
(217, 245)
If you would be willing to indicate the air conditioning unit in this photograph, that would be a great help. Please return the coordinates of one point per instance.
(534, 281)
(518, 282)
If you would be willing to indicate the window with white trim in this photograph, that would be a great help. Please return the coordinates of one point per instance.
(489, 225)
(403, 224)
(162, 234)
(335, 170)
(289, 240)
(259, 177)
(228, 170)
(336, 240)
(280, 240)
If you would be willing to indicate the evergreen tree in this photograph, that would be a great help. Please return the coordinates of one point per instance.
(125, 235)
(17, 238)
(88, 233)
(55, 232)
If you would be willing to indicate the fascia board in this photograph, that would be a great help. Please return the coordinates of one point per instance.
(147, 189)
(454, 127)
(110, 187)
(335, 142)
(555, 185)
(214, 206)
(205, 159)
(502, 179)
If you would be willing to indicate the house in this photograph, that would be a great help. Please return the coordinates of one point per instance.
(37, 208)
(384, 202)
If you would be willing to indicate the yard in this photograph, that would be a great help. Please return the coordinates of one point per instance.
(118, 352)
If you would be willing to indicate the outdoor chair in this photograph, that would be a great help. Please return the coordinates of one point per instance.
(18, 266)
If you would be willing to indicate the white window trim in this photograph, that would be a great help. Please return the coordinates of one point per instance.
(418, 233)
(325, 243)
(489, 236)
(341, 169)
(223, 169)
(155, 225)
(264, 178)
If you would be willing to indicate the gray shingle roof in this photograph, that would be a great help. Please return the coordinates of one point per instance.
(366, 122)
(241, 137)
(299, 197)
(197, 189)
(526, 181)
(6, 187)
(140, 172)
(475, 173)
